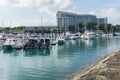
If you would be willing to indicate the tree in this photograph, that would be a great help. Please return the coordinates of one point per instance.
(91, 26)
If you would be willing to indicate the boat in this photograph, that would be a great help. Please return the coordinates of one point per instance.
(67, 35)
(85, 36)
(13, 43)
(116, 34)
(74, 36)
(100, 34)
(90, 34)
(54, 42)
(37, 43)
(60, 40)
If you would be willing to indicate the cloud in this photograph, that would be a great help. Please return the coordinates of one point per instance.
(48, 7)
(3, 2)
(113, 14)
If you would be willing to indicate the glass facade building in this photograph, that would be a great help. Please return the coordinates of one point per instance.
(101, 20)
(71, 21)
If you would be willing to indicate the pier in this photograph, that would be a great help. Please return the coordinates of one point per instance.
(107, 68)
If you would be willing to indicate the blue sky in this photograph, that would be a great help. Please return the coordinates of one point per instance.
(86, 5)
(29, 12)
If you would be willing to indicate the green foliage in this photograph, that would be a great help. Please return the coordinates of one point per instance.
(90, 26)
(117, 28)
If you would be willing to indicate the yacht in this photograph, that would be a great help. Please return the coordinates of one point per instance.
(74, 36)
(101, 34)
(60, 40)
(85, 36)
(14, 43)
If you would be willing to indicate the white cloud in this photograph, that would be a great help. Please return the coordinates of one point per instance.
(3, 2)
(48, 7)
(113, 14)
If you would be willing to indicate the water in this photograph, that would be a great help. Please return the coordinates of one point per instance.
(57, 63)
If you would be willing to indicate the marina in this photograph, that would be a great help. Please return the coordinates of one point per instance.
(59, 40)
(58, 62)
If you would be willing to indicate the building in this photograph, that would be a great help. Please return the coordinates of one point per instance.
(101, 20)
(66, 20)
(70, 21)
(86, 18)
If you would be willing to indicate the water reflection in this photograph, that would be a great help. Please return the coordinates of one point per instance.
(37, 52)
(12, 52)
(71, 48)
(27, 53)
(77, 47)
(7, 51)
(55, 63)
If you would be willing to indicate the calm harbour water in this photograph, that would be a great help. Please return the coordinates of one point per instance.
(57, 63)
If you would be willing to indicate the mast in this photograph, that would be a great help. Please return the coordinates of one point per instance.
(106, 25)
(98, 23)
(10, 25)
(85, 24)
(41, 24)
(78, 24)
(3, 24)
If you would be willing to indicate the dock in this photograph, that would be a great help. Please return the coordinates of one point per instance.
(107, 68)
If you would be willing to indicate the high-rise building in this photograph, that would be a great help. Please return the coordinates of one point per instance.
(67, 20)
(70, 21)
(101, 20)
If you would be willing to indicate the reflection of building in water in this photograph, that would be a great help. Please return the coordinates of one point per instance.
(7, 51)
(44, 52)
(37, 52)
(13, 52)
(87, 42)
(54, 51)
(73, 42)
(70, 48)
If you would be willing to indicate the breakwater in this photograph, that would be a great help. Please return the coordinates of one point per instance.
(107, 68)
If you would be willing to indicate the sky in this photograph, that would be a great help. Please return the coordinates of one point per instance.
(43, 12)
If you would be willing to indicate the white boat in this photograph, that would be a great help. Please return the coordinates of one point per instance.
(61, 40)
(101, 34)
(67, 35)
(13, 43)
(85, 36)
(1, 42)
(74, 36)
(90, 34)
(54, 42)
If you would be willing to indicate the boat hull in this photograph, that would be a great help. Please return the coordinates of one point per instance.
(7, 46)
(60, 42)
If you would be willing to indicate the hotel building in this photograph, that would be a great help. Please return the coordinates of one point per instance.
(71, 21)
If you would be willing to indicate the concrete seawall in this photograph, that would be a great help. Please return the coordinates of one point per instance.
(107, 68)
